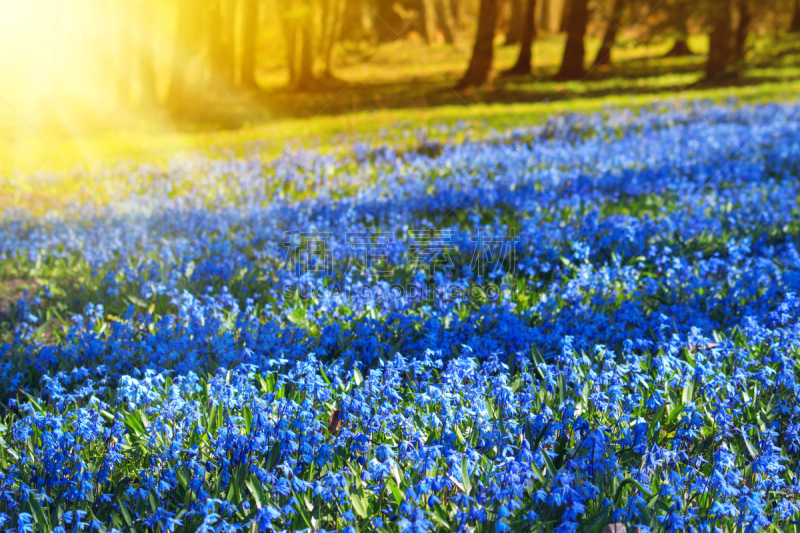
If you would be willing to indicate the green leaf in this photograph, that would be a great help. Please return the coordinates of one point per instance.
(440, 516)
(687, 394)
(597, 521)
(539, 360)
(303, 511)
(397, 476)
(153, 499)
(647, 518)
(32, 401)
(134, 425)
(398, 494)
(8, 449)
(512, 363)
(274, 455)
(561, 449)
(657, 418)
(465, 476)
(268, 383)
(676, 411)
(549, 462)
(537, 473)
(528, 434)
(324, 376)
(182, 479)
(254, 486)
(357, 499)
(629, 481)
(750, 448)
(38, 514)
(247, 414)
(476, 432)
(123, 507)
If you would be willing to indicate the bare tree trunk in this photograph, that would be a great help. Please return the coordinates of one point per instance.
(551, 17)
(525, 60)
(482, 53)
(719, 41)
(515, 23)
(325, 26)
(682, 10)
(574, 51)
(545, 14)
(795, 27)
(604, 54)
(388, 22)
(290, 35)
(176, 99)
(125, 52)
(565, 14)
(334, 35)
(147, 71)
(421, 22)
(680, 48)
(458, 16)
(444, 20)
(745, 17)
(216, 59)
(230, 19)
(249, 33)
(353, 28)
(305, 73)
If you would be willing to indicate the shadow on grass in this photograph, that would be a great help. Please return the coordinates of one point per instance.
(331, 96)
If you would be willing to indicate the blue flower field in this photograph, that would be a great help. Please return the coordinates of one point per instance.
(588, 321)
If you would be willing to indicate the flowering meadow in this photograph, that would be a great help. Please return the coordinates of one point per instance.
(550, 328)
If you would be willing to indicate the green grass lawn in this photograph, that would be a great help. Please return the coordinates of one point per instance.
(388, 86)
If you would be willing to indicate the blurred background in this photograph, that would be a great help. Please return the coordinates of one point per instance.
(92, 80)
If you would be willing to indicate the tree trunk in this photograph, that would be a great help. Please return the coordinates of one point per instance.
(481, 63)
(444, 21)
(353, 20)
(147, 71)
(229, 39)
(421, 21)
(325, 26)
(680, 48)
(388, 22)
(290, 35)
(176, 98)
(604, 54)
(216, 57)
(795, 27)
(125, 51)
(305, 73)
(334, 35)
(250, 27)
(572, 62)
(565, 14)
(681, 11)
(515, 23)
(719, 41)
(455, 9)
(545, 16)
(745, 17)
(524, 62)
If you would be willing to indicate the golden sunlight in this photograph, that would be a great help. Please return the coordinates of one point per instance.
(71, 68)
